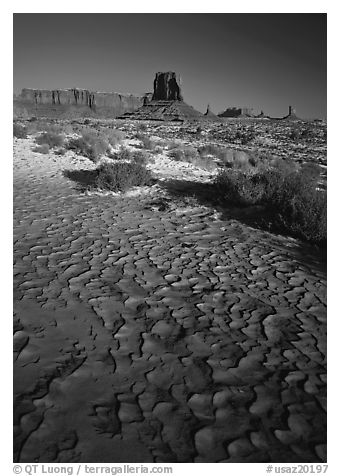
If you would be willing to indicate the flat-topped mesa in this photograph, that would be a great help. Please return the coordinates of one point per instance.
(76, 102)
(237, 111)
(166, 87)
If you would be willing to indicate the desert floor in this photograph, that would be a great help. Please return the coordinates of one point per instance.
(159, 330)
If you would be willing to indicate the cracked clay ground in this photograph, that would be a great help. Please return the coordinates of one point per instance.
(147, 335)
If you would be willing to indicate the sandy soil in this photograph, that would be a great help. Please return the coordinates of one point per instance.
(159, 332)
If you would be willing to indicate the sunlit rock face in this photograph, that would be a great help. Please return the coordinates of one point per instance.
(63, 102)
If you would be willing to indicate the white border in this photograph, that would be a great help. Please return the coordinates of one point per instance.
(177, 6)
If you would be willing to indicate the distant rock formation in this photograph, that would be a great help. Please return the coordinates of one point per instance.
(210, 115)
(147, 98)
(209, 112)
(76, 102)
(291, 115)
(237, 111)
(167, 103)
(262, 115)
(166, 87)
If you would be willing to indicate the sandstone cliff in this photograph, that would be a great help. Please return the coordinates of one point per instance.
(166, 87)
(76, 101)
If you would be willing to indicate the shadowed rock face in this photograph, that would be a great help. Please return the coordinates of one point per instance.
(166, 87)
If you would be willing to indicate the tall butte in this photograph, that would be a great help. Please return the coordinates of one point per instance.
(166, 103)
(166, 87)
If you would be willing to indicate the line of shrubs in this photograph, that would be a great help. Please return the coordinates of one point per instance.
(89, 143)
(290, 197)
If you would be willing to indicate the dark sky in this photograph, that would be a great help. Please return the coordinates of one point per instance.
(264, 61)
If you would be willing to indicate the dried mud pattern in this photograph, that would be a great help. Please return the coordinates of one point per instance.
(160, 336)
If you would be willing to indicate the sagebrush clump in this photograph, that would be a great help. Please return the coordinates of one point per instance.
(120, 176)
(123, 154)
(113, 136)
(50, 138)
(44, 126)
(90, 145)
(19, 131)
(183, 153)
(292, 197)
(147, 143)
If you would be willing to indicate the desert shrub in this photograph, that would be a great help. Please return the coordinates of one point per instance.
(301, 207)
(264, 159)
(147, 143)
(173, 144)
(42, 149)
(177, 154)
(114, 136)
(189, 154)
(128, 155)
(241, 160)
(209, 149)
(142, 127)
(19, 131)
(123, 154)
(120, 176)
(291, 196)
(311, 170)
(90, 145)
(226, 156)
(41, 125)
(157, 150)
(139, 157)
(50, 138)
(183, 153)
(44, 126)
(241, 188)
